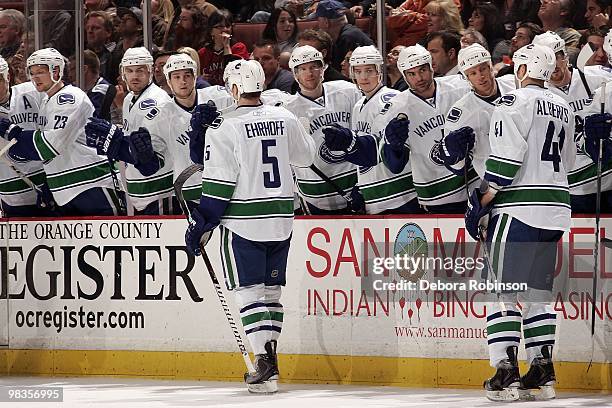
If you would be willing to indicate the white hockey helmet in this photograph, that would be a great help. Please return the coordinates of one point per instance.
(4, 68)
(303, 55)
(177, 62)
(247, 75)
(540, 62)
(413, 56)
(471, 56)
(366, 55)
(607, 46)
(551, 40)
(133, 57)
(49, 57)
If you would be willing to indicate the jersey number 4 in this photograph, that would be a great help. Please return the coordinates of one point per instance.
(551, 150)
(271, 179)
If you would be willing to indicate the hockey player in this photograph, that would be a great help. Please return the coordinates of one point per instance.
(467, 122)
(247, 187)
(383, 191)
(149, 177)
(323, 104)
(20, 104)
(181, 73)
(78, 178)
(526, 192)
(425, 104)
(577, 88)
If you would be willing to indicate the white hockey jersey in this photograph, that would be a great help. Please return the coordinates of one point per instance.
(334, 106)
(434, 183)
(22, 110)
(583, 177)
(381, 189)
(475, 112)
(149, 110)
(70, 165)
(179, 129)
(532, 148)
(247, 162)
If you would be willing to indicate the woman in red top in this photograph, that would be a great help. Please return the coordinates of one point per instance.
(219, 49)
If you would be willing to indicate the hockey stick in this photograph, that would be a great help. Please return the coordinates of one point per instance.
(117, 188)
(602, 105)
(178, 190)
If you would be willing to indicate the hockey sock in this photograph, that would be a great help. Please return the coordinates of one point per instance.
(255, 316)
(539, 326)
(272, 300)
(503, 327)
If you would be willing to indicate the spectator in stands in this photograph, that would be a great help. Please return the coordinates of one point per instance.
(486, 19)
(58, 26)
(219, 49)
(444, 48)
(345, 65)
(130, 31)
(556, 16)
(12, 27)
(322, 41)
(282, 29)
(395, 78)
(594, 38)
(407, 24)
(191, 29)
(470, 36)
(99, 31)
(443, 15)
(97, 5)
(207, 8)
(332, 19)
(256, 11)
(162, 16)
(159, 60)
(525, 34)
(598, 12)
(100, 92)
(268, 55)
(200, 82)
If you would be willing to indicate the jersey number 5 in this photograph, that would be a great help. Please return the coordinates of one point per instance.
(271, 179)
(551, 150)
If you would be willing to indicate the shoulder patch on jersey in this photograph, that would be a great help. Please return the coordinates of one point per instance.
(152, 113)
(65, 98)
(454, 114)
(388, 96)
(100, 88)
(507, 100)
(147, 104)
(386, 108)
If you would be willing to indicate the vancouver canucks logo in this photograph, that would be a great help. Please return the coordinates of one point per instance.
(330, 157)
(65, 98)
(435, 153)
(147, 103)
(412, 242)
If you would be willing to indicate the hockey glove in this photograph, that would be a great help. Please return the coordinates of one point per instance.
(396, 133)
(356, 203)
(141, 147)
(8, 131)
(476, 215)
(104, 137)
(198, 233)
(338, 138)
(456, 144)
(597, 128)
(44, 198)
(202, 117)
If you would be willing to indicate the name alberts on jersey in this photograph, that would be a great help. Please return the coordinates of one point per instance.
(547, 108)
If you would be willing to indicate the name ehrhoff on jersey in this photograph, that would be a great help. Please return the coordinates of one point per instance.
(546, 108)
(263, 129)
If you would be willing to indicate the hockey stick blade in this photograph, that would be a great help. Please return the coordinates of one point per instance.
(178, 190)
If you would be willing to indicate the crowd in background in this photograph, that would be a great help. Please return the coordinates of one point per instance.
(204, 30)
